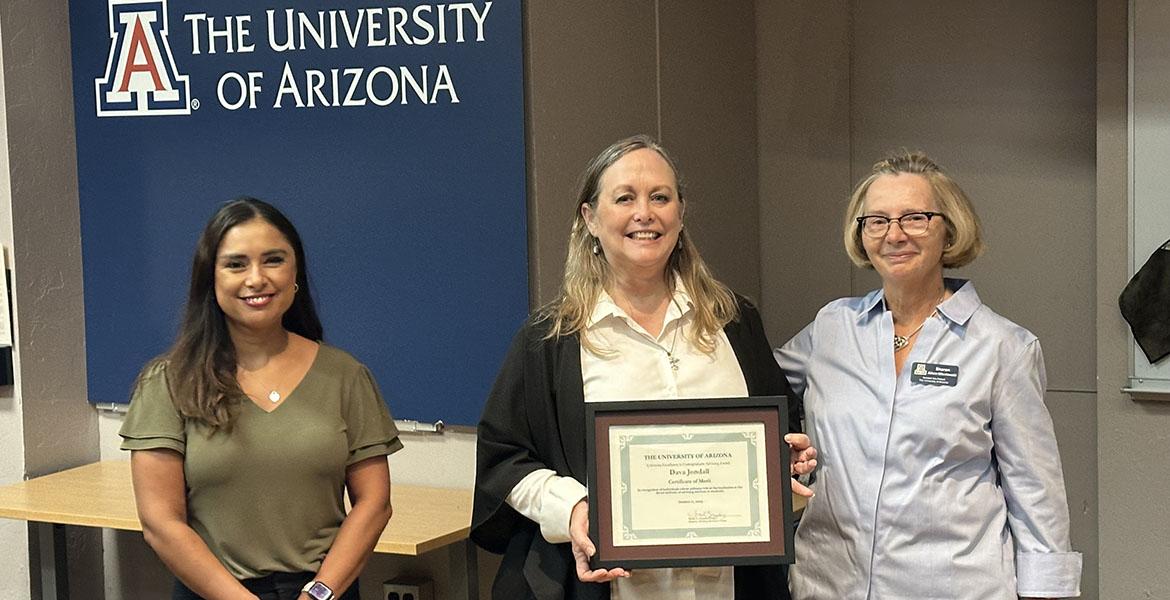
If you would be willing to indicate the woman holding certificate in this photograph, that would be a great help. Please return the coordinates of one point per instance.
(639, 317)
(939, 473)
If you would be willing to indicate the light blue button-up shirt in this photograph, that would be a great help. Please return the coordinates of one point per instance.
(924, 490)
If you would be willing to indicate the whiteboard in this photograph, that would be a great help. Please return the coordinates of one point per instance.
(1149, 135)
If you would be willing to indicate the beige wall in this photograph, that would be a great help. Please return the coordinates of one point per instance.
(13, 534)
(47, 408)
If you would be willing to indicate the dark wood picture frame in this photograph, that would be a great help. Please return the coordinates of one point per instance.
(770, 411)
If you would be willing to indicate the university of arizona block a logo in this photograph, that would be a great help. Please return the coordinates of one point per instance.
(141, 78)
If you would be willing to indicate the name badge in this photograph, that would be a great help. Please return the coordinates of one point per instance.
(934, 374)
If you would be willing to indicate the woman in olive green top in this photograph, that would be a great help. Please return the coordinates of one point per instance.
(245, 434)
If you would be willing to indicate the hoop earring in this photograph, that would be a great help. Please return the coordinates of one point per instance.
(296, 288)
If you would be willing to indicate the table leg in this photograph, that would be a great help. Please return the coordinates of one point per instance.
(464, 570)
(54, 566)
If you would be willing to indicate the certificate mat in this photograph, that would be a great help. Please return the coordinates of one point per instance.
(689, 482)
(707, 478)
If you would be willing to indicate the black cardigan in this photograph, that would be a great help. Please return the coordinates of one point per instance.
(535, 418)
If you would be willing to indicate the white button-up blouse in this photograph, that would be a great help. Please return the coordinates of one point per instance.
(635, 365)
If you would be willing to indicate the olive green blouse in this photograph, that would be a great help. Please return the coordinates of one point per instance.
(266, 496)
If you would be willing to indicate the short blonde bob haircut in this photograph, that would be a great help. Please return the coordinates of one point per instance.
(588, 273)
(964, 236)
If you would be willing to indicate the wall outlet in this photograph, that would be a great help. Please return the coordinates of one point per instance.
(405, 588)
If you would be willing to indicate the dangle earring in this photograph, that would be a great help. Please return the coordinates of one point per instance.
(596, 248)
(679, 245)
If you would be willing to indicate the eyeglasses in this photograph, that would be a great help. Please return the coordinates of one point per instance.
(915, 223)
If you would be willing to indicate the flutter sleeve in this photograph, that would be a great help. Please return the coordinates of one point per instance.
(370, 430)
(153, 422)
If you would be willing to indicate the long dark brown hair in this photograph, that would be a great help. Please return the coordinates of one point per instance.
(201, 365)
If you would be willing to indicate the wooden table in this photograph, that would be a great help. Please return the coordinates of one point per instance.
(100, 495)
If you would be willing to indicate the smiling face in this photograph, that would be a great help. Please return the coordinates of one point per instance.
(255, 275)
(638, 215)
(901, 259)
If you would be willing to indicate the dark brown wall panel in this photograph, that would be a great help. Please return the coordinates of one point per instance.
(708, 114)
(591, 79)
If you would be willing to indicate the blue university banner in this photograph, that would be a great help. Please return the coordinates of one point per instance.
(391, 134)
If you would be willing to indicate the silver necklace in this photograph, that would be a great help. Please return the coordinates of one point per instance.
(901, 341)
(670, 357)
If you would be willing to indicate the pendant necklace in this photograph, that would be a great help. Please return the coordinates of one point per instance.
(901, 341)
(273, 395)
(670, 357)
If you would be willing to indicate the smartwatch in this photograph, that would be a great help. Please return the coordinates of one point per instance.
(317, 591)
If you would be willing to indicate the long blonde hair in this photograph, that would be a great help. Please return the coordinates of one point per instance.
(587, 274)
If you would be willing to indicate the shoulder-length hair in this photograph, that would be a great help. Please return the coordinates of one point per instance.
(587, 274)
(201, 365)
(964, 235)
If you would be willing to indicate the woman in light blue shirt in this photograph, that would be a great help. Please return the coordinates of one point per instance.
(939, 473)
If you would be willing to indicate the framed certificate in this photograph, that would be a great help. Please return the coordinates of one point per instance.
(681, 483)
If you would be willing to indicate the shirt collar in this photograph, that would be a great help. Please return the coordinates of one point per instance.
(871, 302)
(958, 308)
(963, 301)
(606, 307)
